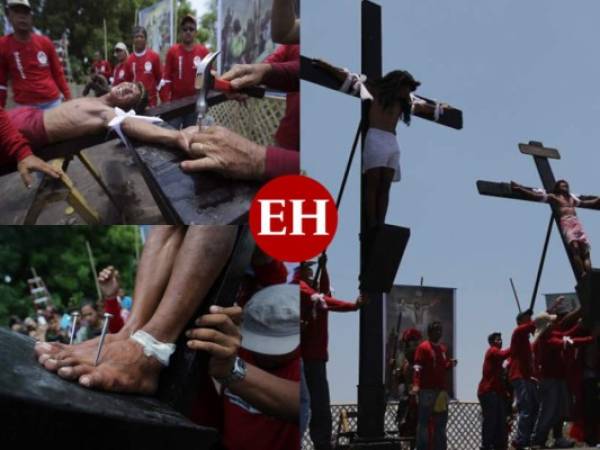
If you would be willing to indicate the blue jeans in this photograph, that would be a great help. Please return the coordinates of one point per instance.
(527, 404)
(425, 413)
(45, 106)
(552, 409)
(493, 426)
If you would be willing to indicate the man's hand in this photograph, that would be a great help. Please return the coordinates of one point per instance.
(108, 279)
(218, 334)
(34, 164)
(246, 75)
(221, 150)
(361, 301)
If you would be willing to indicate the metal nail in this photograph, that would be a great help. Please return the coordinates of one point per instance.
(74, 318)
(107, 318)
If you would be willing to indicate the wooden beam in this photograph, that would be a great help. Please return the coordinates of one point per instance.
(535, 150)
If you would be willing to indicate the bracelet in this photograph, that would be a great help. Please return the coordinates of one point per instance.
(153, 347)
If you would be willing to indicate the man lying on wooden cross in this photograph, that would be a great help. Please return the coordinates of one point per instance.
(239, 158)
(570, 226)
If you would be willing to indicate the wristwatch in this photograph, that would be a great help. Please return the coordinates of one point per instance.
(238, 372)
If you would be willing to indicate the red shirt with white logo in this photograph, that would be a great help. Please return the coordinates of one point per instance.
(431, 365)
(120, 73)
(34, 68)
(246, 428)
(491, 380)
(145, 67)
(102, 68)
(180, 71)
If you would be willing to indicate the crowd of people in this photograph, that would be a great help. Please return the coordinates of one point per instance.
(46, 113)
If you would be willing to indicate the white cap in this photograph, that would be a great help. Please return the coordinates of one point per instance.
(121, 46)
(271, 324)
(18, 2)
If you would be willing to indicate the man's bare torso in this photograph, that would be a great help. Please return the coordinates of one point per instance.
(386, 120)
(76, 118)
(565, 203)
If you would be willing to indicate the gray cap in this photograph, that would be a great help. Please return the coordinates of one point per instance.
(271, 324)
(18, 2)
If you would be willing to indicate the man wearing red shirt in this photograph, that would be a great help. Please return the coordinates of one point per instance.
(31, 62)
(492, 396)
(120, 72)
(519, 374)
(101, 66)
(314, 308)
(429, 383)
(144, 65)
(180, 70)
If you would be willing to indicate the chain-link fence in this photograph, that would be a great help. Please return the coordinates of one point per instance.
(463, 430)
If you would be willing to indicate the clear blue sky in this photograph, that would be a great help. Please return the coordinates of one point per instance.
(520, 71)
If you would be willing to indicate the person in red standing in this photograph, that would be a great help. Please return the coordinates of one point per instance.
(101, 66)
(30, 61)
(314, 310)
(119, 74)
(144, 65)
(16, 150)
(492, 396)
(429, 384)
(108, 280)
(180, 70)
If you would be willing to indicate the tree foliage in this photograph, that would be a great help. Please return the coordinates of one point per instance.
(60, 257)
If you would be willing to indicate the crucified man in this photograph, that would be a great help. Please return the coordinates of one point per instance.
(177, 268)
(569, 223)
(392, 102)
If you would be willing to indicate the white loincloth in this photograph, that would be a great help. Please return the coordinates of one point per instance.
(381, 150)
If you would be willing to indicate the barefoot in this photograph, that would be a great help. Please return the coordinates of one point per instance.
(123, 367)
(54, 355)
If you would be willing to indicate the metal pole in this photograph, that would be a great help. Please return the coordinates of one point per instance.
(515, 294)
(542, 260)
(93, 266)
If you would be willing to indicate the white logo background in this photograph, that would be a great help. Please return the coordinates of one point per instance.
(42, 58)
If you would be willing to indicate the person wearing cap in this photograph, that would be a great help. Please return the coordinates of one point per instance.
(520, 372)
(119, 74)
(257, 365)
(31, 62)
(100, 66)
(549, 347)
(144, 65)
(492, 396)
(179, 72)
(430, 386)
(315, 306)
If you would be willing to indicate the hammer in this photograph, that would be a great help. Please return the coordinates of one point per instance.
(205, 82)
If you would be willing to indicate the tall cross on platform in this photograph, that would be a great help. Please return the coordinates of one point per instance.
(586, 280)
(386, 244)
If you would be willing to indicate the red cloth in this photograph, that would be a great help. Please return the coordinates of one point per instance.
(29, 121)
(280, 161)
(180, 71)
(120, 73)
(102, 68)
(288, 133)
(284, 76)
(521, 358)
(14, 146)
(246, 428)
(145, 67)
(491, 380)
(431, 365)
(34, 68)
(112, 306)
(314, 318)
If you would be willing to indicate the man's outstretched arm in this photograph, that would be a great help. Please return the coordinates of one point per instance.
(530, 193)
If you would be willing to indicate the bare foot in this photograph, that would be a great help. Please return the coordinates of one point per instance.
(123, 367)
(53, 355)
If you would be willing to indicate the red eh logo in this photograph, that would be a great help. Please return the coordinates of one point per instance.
(293, 218)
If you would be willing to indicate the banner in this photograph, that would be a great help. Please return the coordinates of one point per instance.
(245, 35)
(158, 22)
(415, 307)
(571, 300)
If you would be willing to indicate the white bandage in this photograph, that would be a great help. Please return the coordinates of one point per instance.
(541, 192)
(318, 299)
(414, 100)
(154, 348)
(567, 341)
(439, 110)
(121, 115)
(355, 84)
(162, 84)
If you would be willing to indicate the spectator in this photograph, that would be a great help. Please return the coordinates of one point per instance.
(144, 65)
(120, 71)
(91, 323)
(109, 282)
(100, 66)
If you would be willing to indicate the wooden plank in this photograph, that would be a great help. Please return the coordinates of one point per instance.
(534, 150)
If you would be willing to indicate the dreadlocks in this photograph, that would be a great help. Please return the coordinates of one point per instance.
(388, 91)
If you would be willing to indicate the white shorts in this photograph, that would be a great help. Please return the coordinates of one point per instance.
(381, 150)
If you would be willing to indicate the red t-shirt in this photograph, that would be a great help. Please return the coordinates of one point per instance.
(14, 146)
(246, 428)
(180, 71)
(314, 317)
(112, 306)
(431, 365)
(34, 68)
(145, 67)
(521, 359)
(120, 73)
(102, 68)
(491, 380)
